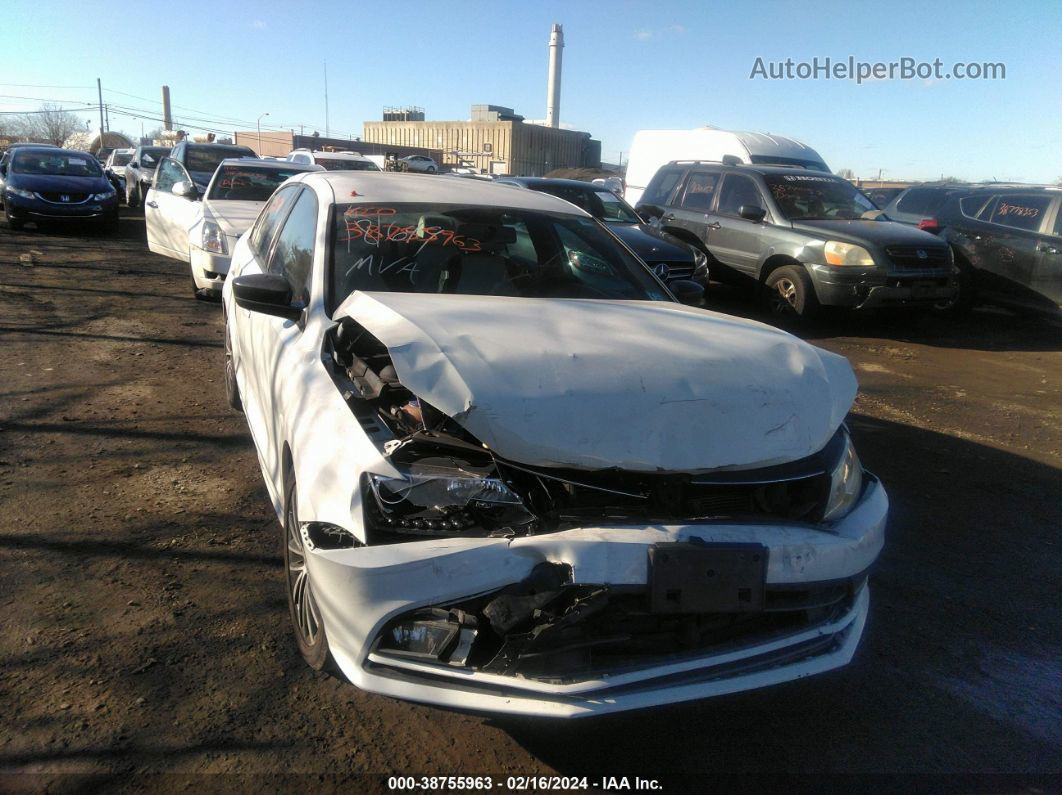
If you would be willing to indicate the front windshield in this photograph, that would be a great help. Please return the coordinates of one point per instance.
(121, 158)
(341, 164)
(152, 155)
(248, 183)
(56, 163)
(205, 159)
(809, 197)
(422, 248)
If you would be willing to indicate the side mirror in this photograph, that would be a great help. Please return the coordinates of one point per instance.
(649, 212)
(268, 293)
(752, 213)
(186, 190)
(687, 292)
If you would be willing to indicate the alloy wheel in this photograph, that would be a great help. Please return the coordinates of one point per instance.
(307, 616)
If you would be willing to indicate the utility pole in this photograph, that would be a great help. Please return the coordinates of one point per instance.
(107, 115)
(99, 89)
(327, 134)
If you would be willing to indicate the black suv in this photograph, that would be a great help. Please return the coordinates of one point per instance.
(202, 160)
(1007, 240)
(808, 236)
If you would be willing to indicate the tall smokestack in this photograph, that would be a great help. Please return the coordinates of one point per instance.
(553, 86)
(167, 117)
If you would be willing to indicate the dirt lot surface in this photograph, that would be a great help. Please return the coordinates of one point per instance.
(144, 629)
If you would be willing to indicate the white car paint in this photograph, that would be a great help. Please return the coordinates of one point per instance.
(175, 223)
(468, 356)
(767, 397)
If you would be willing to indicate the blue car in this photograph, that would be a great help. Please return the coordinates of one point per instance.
(46, 184)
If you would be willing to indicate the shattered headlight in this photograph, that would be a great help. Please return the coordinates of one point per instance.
(442, 497)
(846, 482)
(213, 238)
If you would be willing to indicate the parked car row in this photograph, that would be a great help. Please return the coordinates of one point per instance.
(481, 410)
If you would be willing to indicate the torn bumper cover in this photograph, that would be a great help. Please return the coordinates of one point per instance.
(601, 619)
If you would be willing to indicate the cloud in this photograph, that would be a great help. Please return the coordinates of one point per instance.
(259, 24)
(647, 34)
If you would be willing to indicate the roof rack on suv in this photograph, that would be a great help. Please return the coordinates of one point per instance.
(733, 160)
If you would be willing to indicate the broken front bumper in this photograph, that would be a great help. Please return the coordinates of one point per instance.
(359, 591)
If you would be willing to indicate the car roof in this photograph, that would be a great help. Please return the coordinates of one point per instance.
(53, 149)
(336, 155)
(377, 187)
(755, 168)
(552, 182)
(259, 162)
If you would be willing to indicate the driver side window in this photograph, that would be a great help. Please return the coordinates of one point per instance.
(738, 191)
(169, 174)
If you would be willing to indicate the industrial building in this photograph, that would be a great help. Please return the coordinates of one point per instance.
(274, 143)
(495, 140)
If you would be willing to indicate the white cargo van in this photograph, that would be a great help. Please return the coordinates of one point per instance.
(653, 148)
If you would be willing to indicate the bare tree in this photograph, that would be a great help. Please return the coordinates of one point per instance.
(50, 124)
(846, 173)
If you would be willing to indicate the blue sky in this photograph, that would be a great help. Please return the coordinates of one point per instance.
(627, 66)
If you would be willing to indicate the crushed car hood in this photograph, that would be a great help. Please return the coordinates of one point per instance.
(647, 386)
(234, 217)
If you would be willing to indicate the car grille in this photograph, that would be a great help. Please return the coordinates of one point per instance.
(56, 198)
(936, 257)
(675, 270)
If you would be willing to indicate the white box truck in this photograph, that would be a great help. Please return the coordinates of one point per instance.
(654, 148)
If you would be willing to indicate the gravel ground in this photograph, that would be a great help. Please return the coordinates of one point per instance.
(144, 629)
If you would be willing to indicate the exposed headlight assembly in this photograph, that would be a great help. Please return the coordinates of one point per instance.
(443, 497)
(847, 254)
(213, 238)
(25, 194)
(846, 482)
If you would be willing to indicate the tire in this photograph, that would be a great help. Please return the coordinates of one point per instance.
(431, 169)
(232, 388)
(302, 604)
(12, 222)
(132, 195)
(791, 291)
(962, 303)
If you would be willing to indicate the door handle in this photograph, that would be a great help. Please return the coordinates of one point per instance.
(669, 217)
(1049, 250)
(713, 225)
(153, 205)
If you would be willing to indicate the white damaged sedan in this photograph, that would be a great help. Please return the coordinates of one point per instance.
(515, 475)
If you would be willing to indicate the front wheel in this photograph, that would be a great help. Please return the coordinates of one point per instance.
(302, 604)
(431, 169)
(13, 222)
(791, 291)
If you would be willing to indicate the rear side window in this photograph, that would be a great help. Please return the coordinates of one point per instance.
(1020, 212)
(266, 225)
(1058, 223)
(700, 188)
(661, 186)
(293, 253)
(921, 201)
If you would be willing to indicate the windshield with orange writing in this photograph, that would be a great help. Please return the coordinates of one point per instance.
(481, 251)
(810, 197)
